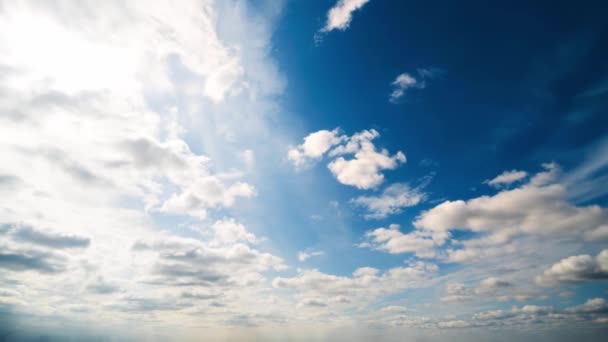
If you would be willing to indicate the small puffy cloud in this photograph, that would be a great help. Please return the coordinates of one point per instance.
(314, 147)
(507, 178)
(340, 16)
(392, 200)
(576, 269)
(493, 283)
(405, 81)
(305, 255)
(402, 83)
(392, 240)
(362, 171)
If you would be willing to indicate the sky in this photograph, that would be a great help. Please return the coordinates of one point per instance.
(331, 170)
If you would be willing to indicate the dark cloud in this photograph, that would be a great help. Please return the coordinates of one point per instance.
(42, 262)
(48, 239)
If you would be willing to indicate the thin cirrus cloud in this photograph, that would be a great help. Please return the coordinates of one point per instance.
(507, 178)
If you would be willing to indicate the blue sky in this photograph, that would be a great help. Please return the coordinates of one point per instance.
(303, 170)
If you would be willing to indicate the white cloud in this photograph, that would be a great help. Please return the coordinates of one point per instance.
(507, 178)
(230, 231)
(576, 269)
(305, 255)
(314, 147)
(340, 16)
(392, 200)
(362, 171)
(402, 83)
(405, 81)
(536, 208)
(365, 285)
(113, 114)
(394, 241)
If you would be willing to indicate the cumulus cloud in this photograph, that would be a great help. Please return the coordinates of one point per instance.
(539, 207)
(362, 171)
(507, 178)
(576, 269)
(314, 147)
(392, 200)
(340, 16)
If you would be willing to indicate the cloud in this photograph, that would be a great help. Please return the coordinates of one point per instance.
(49, 239)
(26, 260)
(392, 240)
(305, 255)
(491, 287)
(362, 171)
(100, 286)
(114, 118)
(593, 305)
(340, 16)
(314, 147)
(405, 81)
(365, 284)
(392, 200)
(189, 262)
(539, 208)
(507, 178)
(229, 231)
(576, 269)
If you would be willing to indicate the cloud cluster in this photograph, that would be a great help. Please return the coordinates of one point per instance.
(539, 207)
(97, 111)
(365, 284)
(362, 171)
(576, 269)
